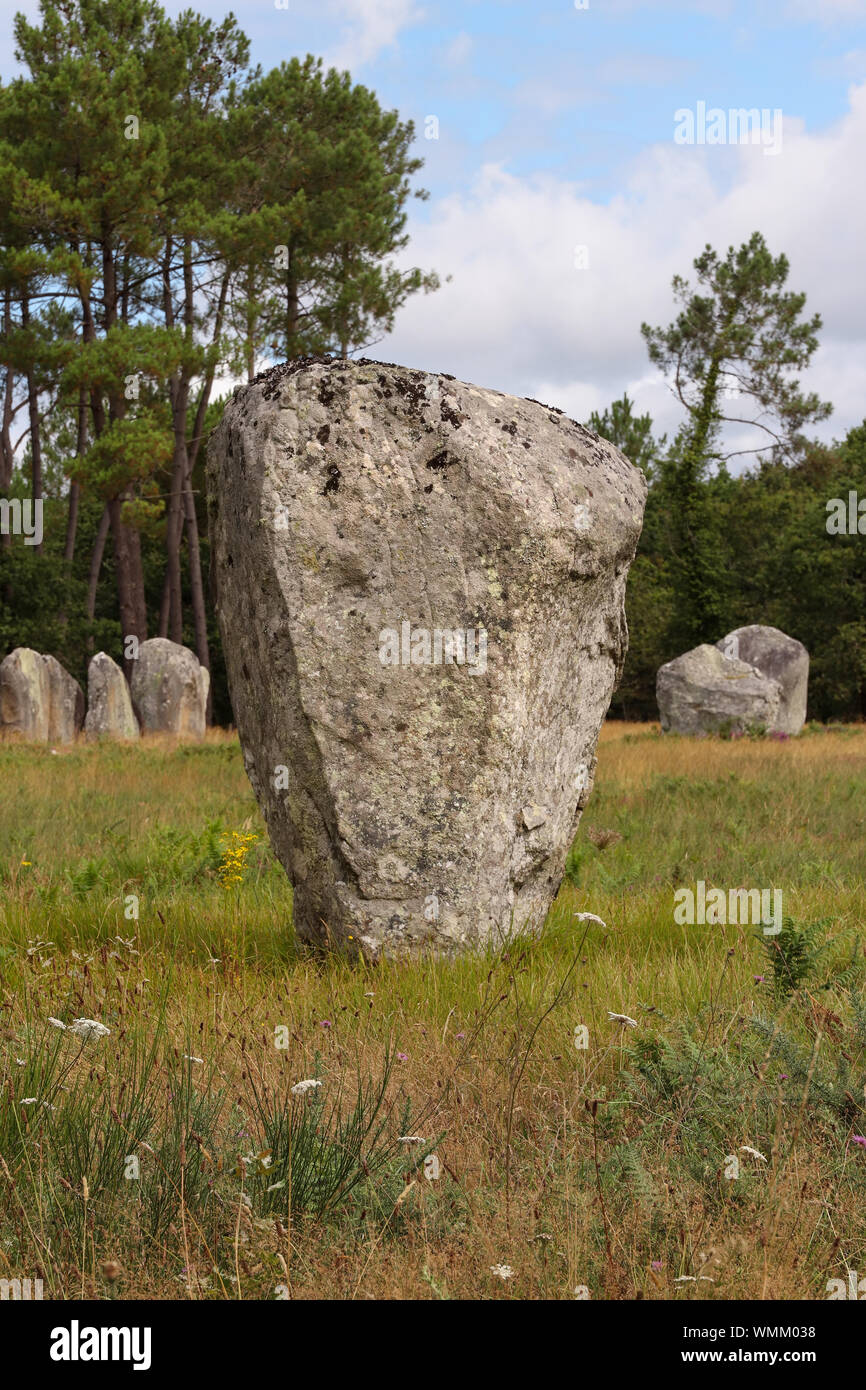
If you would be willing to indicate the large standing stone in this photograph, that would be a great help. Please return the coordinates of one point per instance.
(39, 699)
(704, 690)
(418, 788)
(109, 706)
(781, 657)
(169, 689)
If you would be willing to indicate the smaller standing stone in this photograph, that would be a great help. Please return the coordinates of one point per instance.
(22, 706)
(39, 699)
(170, 689)
(781, 657)
(704, 690)
(109, 705)
(65, 703)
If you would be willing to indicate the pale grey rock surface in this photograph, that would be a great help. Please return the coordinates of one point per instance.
(356, 509)
(38, 698)
(781, 657)
(109, 705)
(169, 689)
(704, 690)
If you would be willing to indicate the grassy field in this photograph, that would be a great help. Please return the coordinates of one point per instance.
(171, 1158)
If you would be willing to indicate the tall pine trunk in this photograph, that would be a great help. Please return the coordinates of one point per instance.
(127, 540)
(74, 488)
(33, 414)
(6, 455)
(199, 609)
(95, 566)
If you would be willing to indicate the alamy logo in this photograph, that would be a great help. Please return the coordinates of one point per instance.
(737, 126)
(847, 520)
(740, 906)
(76, 1343)
(418, 646)
(855, 1288)
(20, 1290)
(19, 518)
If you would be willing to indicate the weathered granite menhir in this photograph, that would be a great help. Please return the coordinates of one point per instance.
(780, 658)
(109, 705)
(421, 594)
(169, 689)
(755, 676)
(39, 700)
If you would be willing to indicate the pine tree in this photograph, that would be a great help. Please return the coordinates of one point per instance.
(732, 346)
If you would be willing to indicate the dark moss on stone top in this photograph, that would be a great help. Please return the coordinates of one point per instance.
(273, 377)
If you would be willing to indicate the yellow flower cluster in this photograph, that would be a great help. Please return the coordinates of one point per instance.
(237, 847)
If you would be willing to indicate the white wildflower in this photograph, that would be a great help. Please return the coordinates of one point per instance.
(300, 1088)
(622, 1019)
(747, 1149)
(55, 1023)
(411, 1139)
(589, 917)
(88, 1028)
(187, 1057)
(502, 1271)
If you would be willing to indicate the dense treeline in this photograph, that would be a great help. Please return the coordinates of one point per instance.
(766, 545)
(776, 564)
(172, 217)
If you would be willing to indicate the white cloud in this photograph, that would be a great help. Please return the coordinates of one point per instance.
(518, 315)
(363, 28)
(369, 26)
(459, 49)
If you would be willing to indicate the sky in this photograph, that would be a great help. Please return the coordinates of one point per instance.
(561, 203)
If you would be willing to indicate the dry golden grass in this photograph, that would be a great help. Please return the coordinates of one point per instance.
(601, 1168)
